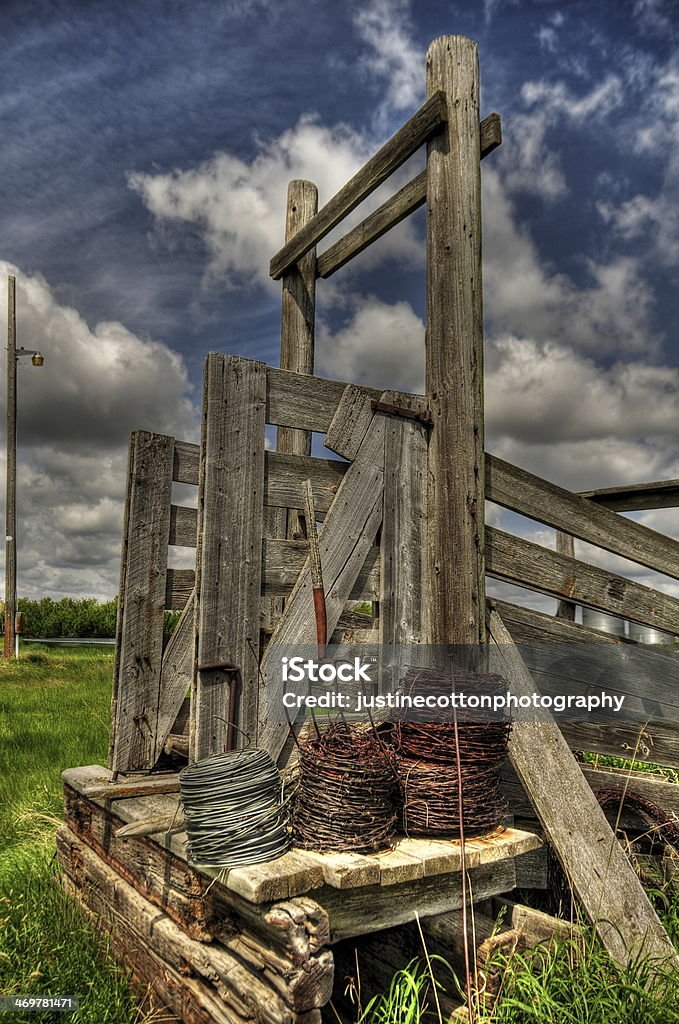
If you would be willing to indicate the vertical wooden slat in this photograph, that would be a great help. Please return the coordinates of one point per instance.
(454, 353)
(565, 545)
(402, 540)
(229, 554)
(121, 602)
(142, 602)
(298, 322)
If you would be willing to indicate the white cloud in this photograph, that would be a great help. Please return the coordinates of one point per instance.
(382, 345)
(75, 415)
(384, 25)
(239, 207)
(525, 295)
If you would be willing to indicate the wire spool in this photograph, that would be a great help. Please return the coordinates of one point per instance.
(234, 809)
(347, 792)
(428, 763)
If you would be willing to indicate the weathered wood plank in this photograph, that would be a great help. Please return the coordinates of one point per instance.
(176, 675)
(402, 544)
(285, 476)
(661, 792)
(298, 320)
(427, 120)
(528, 626)
(593, 861)
(519, 561)
(395, 209)
(454, 571)
(229, 555)
(347, 535)
(282, 562)
(140, 640)
(351, 914)
(119, 611)
(350, 421)
(565, 545)
(179, 586)
(637, 497)
(532, 496)
(186, 462)
(183, 526)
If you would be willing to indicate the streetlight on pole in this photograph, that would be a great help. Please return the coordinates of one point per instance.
(13, 357)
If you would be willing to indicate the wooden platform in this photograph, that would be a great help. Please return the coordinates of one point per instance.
(417, 874)
(255, 945)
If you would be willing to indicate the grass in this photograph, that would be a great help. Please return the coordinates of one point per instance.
(54, 714)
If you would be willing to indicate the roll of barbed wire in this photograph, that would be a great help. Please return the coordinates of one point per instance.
(429, 752)
(347, 792)
(235, 809)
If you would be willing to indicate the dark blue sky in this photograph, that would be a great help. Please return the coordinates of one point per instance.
(145, 152)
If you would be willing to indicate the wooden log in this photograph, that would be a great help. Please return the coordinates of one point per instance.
(565, 545)
(389, 158)
(454, 570)
(229, 556)
(636, 497)
(523, 492)
(592, 860)
(347, 535)
(521, 562)
(395, 209)
(242, 990)
(141, 616)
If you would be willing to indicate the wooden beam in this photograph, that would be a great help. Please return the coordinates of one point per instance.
(229, 554)
(183, 526)
(525, 564)
(454, 570)
(389, 158)
(593, 860)
(346, 537)
(637, 497)
(142, 603)
(397, 208)
(532, 496)
(297, 328)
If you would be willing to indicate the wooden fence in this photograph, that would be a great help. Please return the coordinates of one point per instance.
(404, 525)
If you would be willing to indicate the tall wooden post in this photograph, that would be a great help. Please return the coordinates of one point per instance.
(454, 563)
(10, 507)
(298, 321)
(565, 546)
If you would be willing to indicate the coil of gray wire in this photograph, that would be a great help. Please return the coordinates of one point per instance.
(234, 809)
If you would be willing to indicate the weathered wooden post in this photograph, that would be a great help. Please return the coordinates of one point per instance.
(454, 564)
(565, 545)
(298, 321)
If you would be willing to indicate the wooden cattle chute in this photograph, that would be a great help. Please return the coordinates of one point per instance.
(403, 527)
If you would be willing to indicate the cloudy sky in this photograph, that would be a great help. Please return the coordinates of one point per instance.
(146, 150)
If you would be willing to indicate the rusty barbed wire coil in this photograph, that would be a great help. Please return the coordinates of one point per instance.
(428, 752)
(347, 792)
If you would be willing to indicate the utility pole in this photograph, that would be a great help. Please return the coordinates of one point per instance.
(11, 505)
(13, 357)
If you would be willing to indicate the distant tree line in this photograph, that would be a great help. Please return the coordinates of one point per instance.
(67, 617)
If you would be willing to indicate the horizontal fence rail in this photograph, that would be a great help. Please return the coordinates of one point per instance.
(420, 127)
(394, 210)
(637, 497)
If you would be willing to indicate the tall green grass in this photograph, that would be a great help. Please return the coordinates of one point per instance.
(54, 714)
